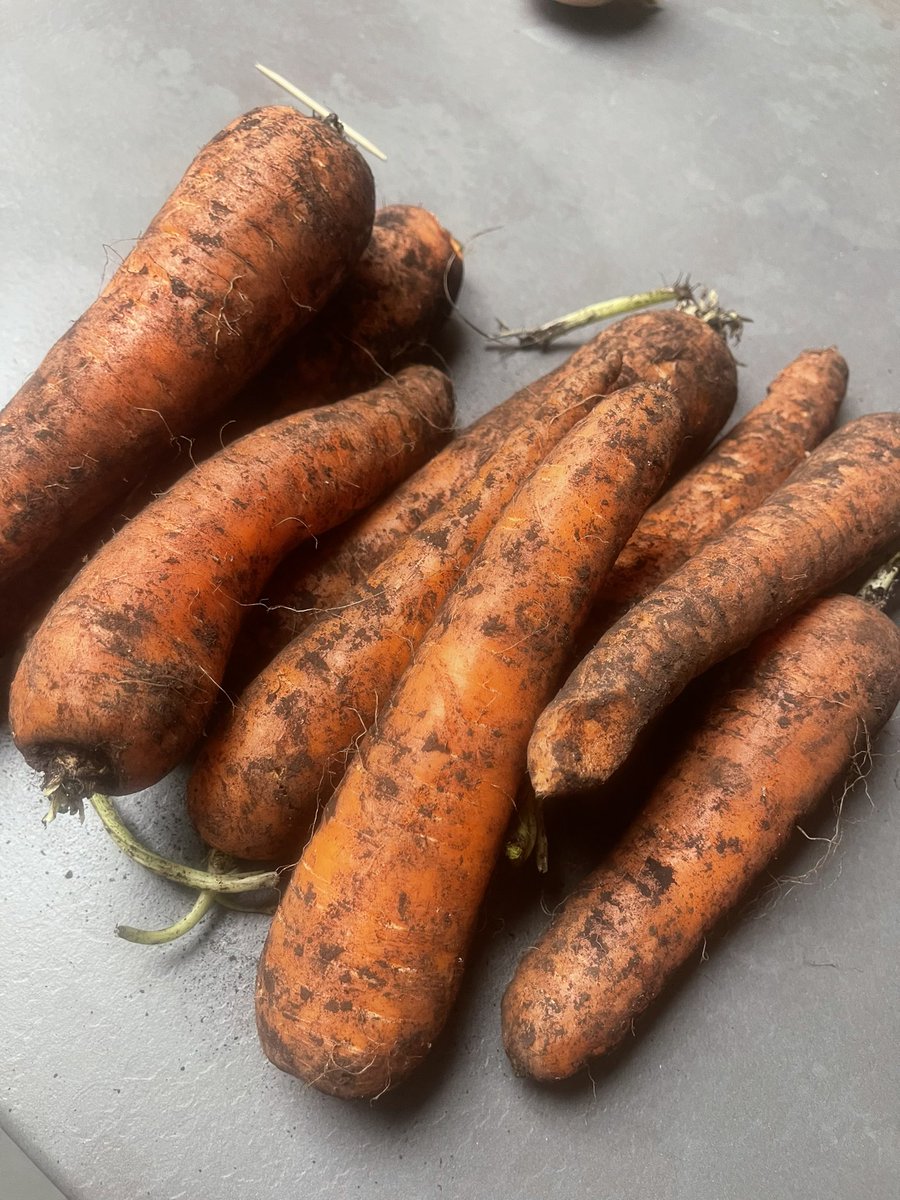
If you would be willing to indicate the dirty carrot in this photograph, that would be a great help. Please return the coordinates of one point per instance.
(659, 347)
(116, 684)
(395, 299)
(265, 224)
(392, 302)
(805, 700)
(737, 475)
(835, 512)
(365, 952)
(741, 470)
(261, 777)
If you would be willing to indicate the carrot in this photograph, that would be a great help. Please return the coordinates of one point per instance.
(745, 467)
(835, 512)
(366, 950)
(805, 699)
(257, 782)
(396, 298)
(265, 224)
(393, 300)
(657, 347)
(734, 478)
(116, 684)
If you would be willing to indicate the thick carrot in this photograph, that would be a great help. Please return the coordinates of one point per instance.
(806, 698)
(265, 224)
(834, 513)
(116, 684)
(259, 779)
(741, 470)
(657, 347)
(365, 953)
(393, 300)
(395, 297)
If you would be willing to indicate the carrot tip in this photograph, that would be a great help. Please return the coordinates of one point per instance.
(70, 778)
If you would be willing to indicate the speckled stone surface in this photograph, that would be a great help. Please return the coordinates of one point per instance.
(753, 144)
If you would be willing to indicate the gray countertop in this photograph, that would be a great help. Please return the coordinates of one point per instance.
(751, 143)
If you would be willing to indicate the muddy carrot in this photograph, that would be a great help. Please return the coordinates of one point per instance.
(805, 699)
(393, 301)
(741, 470)
(265, 224)
(838, 510)
(260, 778)
(118, 681)
(365, 953)
(657, 347)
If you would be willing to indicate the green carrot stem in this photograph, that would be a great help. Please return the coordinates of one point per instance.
(698, 301)
(191, 877)
(542, 335)
(158, 937)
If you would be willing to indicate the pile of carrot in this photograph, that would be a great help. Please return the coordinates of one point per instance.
(240, 530)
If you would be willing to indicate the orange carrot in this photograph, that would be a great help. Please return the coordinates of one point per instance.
(838, 510)
(657, 347)
(393, 300)
(257, 783)
(115, 686)
(265, 224)
(735, 477)
(365, 953)
(805, 698)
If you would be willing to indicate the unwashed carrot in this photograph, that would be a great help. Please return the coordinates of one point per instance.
(741, 471)
(838, 510)
(115, 686)
(366, 950)
(260, 778)
(263, 227)
(806, 698)
(394, 299)
(667, 347)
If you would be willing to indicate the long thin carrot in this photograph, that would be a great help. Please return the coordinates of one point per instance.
(838, 510)
(365, 953)
(658, 347)
(741, 471)
(806, 699)
(118, 681)
(265, 224)
(260, 778)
